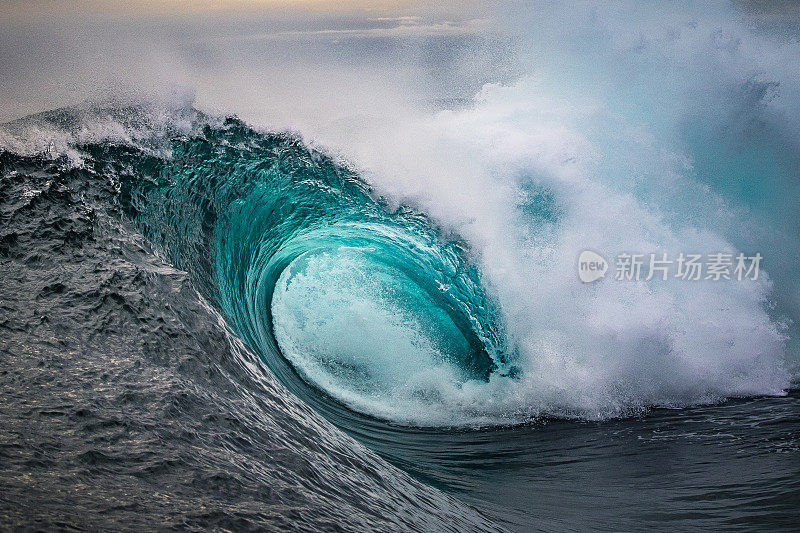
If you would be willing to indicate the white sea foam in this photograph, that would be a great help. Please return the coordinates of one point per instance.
(584, 350)
(619, 182)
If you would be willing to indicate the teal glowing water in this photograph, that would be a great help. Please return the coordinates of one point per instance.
(367, 304)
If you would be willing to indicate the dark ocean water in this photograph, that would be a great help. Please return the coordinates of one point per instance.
(143, 386)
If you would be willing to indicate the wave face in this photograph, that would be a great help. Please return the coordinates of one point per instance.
(368, 305)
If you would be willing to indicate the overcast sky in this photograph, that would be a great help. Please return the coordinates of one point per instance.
(268, 59)
(239, 55)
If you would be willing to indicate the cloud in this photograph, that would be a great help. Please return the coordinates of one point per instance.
(406, 27)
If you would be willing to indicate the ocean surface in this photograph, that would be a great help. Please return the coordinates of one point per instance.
(316, 268)
(209, 325)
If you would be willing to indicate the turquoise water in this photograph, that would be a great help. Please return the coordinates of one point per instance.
(368, 304)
